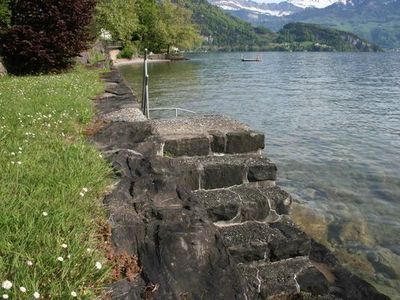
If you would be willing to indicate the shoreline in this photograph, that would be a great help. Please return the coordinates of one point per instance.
(201, 216)
(135, 61)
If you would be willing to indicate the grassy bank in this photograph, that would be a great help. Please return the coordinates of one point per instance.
(51, 183)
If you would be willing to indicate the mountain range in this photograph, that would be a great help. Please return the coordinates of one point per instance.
(375, 20)
(223, 32)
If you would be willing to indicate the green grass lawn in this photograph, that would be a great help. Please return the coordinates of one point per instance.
(51, 183)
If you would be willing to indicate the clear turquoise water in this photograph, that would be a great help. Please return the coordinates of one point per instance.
(332, 122)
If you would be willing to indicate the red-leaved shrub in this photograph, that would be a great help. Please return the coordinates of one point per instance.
(46, 35)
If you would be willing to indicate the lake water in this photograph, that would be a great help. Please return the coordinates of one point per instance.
(332, 125)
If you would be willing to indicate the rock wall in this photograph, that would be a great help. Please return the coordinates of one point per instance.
(3, 70)
(197, 203)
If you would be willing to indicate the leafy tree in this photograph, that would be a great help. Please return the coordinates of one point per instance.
(118, 17)
(151, 24)
(179, 29)
(46, 36)
(4, 14)
(151, 32)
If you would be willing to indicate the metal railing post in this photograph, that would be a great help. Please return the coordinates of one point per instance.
(145, 89)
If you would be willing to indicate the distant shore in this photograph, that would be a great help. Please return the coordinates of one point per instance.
(152, 58)
(136, 60)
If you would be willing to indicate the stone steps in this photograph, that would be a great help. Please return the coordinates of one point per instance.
(258, 241)
(228, 170)
(273, 264)
(237, 190)
(246, 202)
(206, 135)
(283, 280)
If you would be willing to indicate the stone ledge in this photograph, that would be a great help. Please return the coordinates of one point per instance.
(217, 134)
(242, 203)
(229, 170)
(257, 241)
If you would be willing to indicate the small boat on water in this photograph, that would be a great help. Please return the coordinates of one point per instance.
(258, 58)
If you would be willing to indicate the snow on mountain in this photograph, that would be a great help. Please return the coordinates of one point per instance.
(316, 3)
(270, 9)
(280, 9)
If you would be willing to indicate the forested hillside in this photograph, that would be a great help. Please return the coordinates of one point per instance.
(375, 20)
(221, 29)
(311, 37)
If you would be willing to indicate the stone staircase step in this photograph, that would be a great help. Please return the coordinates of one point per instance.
(229, 170)
(257, 241)
(193, 145)
(279, 280)
(247, 202)
(206, 135)
(135, 136)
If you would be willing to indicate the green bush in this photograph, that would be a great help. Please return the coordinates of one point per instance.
(46, 36)
(96, 56)
(126, 52)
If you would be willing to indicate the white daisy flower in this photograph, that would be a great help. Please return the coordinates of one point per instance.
(36, 295)
(74, 294)
(98, 265)
(60, 259)
(22, 289)
(5, 296)
(45, 214)
(29, 263)
(65, 246)
(7, 285)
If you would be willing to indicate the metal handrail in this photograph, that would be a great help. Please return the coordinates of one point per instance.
(145, 88)
(173, 108)
(145, 93)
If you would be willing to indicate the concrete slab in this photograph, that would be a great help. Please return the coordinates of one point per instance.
(201, 135)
